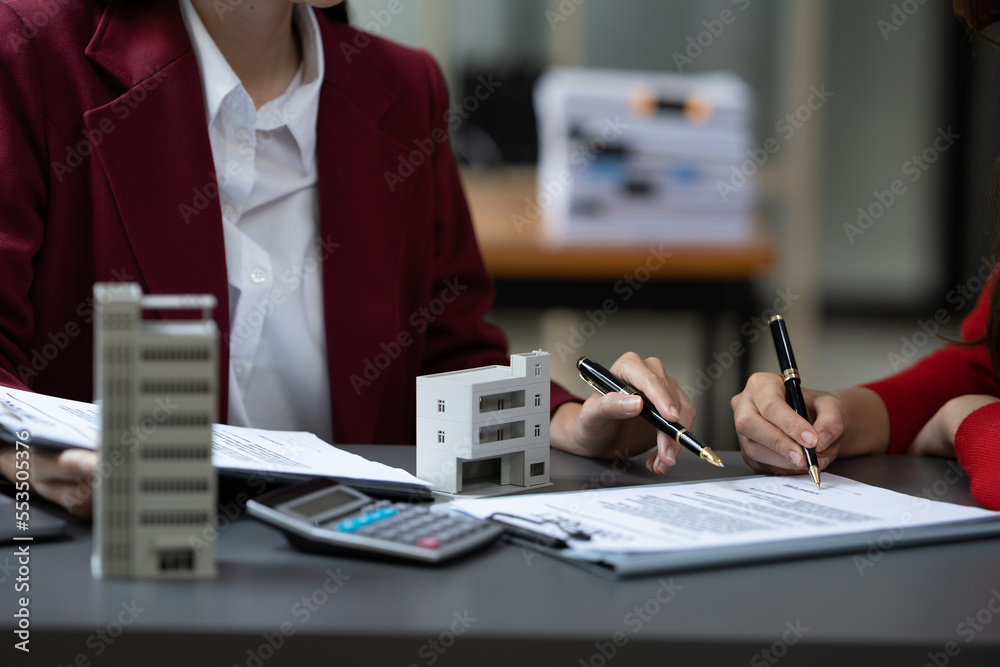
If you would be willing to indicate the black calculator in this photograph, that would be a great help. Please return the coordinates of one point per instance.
(328, 517)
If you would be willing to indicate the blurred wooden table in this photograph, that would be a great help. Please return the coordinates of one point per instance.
(514, 249)
(531, 272)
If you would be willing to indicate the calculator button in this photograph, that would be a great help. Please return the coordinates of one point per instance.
(429, 542)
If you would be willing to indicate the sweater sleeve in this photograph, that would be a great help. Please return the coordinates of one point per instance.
(914, 395)
(977, 445)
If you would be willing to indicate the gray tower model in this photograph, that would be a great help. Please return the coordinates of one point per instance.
(156, 380)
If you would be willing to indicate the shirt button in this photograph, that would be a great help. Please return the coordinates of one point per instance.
(229, 212)
(239, 367)
(258, 275)
(242, 135)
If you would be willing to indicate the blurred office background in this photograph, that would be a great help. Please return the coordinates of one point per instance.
(900, 73)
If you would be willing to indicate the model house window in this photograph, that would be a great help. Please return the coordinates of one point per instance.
(538, 370)
(538, 400)
(440, 406)
(538, 430)
(440, 436)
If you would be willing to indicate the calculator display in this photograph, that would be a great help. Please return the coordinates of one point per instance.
(324, 503)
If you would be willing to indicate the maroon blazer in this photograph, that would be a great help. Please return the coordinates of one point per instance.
(106, 174)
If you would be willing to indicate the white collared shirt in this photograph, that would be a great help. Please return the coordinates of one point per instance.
(265, 164)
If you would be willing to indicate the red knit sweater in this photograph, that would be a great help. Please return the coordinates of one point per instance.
(914, 395)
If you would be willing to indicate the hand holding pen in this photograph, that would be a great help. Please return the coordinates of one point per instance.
(615, 385)
(772, 417)
(792, 380)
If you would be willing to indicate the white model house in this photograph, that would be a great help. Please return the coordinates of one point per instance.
(157, 384)
(485, 431)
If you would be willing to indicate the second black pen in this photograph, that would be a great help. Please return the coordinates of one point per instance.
(604, 381)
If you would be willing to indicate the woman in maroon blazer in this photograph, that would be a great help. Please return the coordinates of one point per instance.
(112, 167)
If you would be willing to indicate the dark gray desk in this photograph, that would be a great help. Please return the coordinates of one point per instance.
(520, 608)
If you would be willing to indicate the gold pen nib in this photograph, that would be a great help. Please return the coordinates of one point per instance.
(814, 473)
(710, 456)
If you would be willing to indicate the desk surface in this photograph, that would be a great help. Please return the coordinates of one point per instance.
(518, 251)
(507, 606)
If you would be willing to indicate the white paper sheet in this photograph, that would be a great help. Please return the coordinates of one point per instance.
(74, 424)
(717, 514)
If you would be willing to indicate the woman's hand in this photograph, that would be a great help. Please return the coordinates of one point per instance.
(64, 477)
(609, 425)
(772, 435)
(937, 437)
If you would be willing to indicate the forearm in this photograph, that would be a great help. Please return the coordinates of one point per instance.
(866, 428)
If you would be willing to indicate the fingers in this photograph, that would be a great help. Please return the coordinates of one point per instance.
(609, 421)
(829, 423)
(600, 409)
(76, 464)
(756, 460)
(61, 477)
(768, 428)
(650, 377)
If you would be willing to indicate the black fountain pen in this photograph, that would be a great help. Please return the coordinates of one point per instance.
(601, 379)
(793, 384)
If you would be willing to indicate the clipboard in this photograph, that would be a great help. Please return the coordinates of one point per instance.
(940, 523)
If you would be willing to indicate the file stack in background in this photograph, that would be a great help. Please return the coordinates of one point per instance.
(629, 157)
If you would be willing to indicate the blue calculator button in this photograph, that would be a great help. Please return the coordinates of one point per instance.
(348, 526)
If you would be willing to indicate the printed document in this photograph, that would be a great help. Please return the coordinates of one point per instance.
(717, 514)
(61, 423)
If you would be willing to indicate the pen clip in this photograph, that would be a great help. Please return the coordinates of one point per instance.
(626, 388)
(600, 390)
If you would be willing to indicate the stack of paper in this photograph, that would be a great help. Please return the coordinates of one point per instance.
(58, 423)
(630, 157)
(677, 526)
